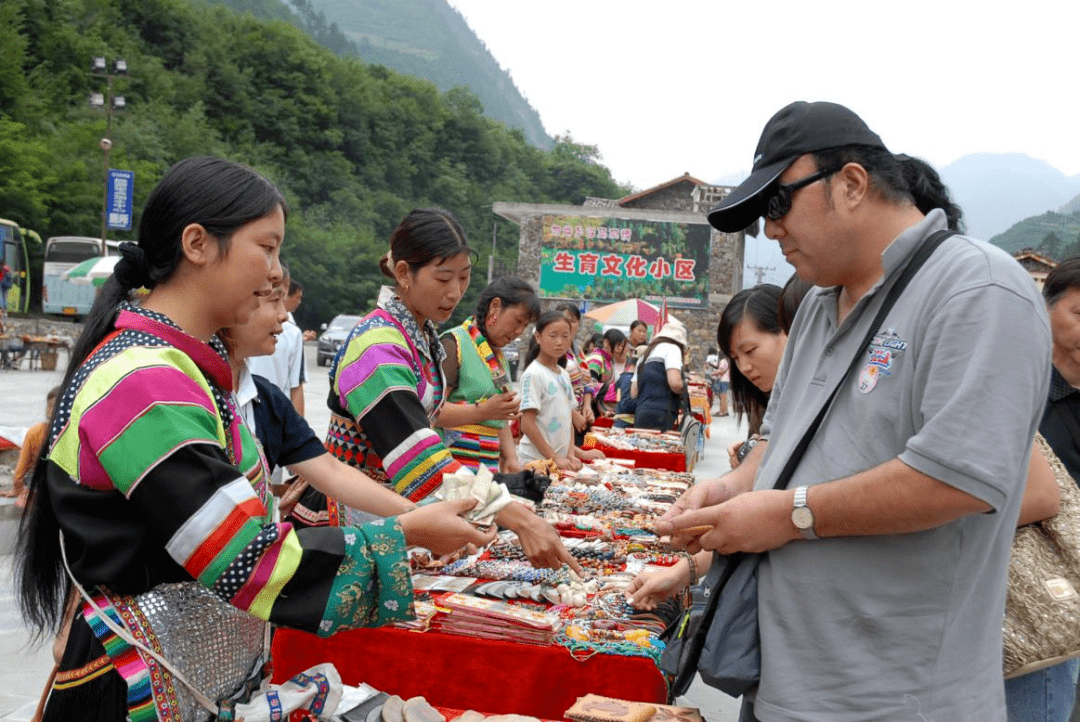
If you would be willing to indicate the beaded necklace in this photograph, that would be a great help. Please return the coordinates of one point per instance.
(582, 649)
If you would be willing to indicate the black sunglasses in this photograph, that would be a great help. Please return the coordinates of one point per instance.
(779, 203)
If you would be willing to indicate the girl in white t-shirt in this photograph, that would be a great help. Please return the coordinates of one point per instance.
(547, 397)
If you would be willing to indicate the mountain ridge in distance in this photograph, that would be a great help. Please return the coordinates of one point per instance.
(430, 39)
(996, 191)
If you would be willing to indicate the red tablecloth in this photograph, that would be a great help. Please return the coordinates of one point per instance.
(469, 673)
(451, 713)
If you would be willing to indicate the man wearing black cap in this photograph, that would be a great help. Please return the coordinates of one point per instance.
(882, 594)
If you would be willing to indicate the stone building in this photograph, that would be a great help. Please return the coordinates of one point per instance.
(682, 200)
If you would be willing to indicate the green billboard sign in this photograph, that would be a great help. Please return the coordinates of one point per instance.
(612, 259)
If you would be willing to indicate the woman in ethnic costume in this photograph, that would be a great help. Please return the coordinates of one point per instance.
(601, 365)
(387, 385)
(479, 400)
(153, 495)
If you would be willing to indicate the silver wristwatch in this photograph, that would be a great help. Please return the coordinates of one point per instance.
(801, 516)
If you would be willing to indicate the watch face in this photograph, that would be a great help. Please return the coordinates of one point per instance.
(802, 517)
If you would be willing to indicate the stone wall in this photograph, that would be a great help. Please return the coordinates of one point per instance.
(42, 326)
(676, 197)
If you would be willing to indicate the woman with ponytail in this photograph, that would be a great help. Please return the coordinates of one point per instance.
(387, 384)
(150, 518)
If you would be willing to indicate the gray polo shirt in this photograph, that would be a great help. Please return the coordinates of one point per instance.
(905, 627)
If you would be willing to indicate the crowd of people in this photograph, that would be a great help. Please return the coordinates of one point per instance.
(177, 468)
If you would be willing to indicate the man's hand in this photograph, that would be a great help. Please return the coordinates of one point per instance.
(756, 521)
(702, 494)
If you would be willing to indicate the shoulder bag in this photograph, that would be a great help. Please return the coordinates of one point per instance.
(1042, 602)
(720, 640)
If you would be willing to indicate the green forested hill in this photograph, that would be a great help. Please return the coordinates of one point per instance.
(1055, 235)
(354, 146)
(430, 39)
(423, 38)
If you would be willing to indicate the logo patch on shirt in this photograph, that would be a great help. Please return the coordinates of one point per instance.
(884, 349)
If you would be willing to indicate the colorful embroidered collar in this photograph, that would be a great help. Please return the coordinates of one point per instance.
(492, 356)
(426, 339)
(211, 357)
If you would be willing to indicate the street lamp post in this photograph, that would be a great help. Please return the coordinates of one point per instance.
(110, 103)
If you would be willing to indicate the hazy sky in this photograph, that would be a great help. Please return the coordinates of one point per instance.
(664, 87)
(669, 86)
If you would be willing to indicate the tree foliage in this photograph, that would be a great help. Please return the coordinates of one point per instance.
(353, 146)
(1054, 235)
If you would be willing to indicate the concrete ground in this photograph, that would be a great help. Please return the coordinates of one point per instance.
(24, 668)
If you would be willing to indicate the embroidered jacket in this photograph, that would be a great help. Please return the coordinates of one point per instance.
(600, 365)
(386, 387)
(580, 380)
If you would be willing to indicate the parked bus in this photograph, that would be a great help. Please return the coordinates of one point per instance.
(62, 253)
(13, 254)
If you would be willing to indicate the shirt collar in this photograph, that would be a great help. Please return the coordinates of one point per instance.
(426, 339)
(209, 357)
(245, 389)
(897, 252)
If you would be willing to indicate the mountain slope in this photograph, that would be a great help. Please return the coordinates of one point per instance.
(1056, 235)
(431, 40)
(997, 190)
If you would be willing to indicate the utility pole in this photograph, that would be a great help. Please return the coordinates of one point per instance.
(760, 271)
(108, 102)
(491, 258)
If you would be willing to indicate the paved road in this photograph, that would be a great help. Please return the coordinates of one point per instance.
(24, 668)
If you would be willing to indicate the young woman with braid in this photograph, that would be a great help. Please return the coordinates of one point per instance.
(151, 497)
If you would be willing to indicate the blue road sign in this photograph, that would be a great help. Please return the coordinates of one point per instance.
(121, 188)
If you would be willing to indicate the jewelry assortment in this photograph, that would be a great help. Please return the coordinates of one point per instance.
(605, 514)
(639, 440)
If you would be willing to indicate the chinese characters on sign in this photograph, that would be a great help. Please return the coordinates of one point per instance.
(121, 188)
(605, 259)
(584, 263)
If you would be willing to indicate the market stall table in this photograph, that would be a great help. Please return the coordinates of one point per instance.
(493, 633)
(41, 351)
(672, 460)
(700, 405)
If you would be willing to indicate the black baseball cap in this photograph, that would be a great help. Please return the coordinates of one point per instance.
(794, 131)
